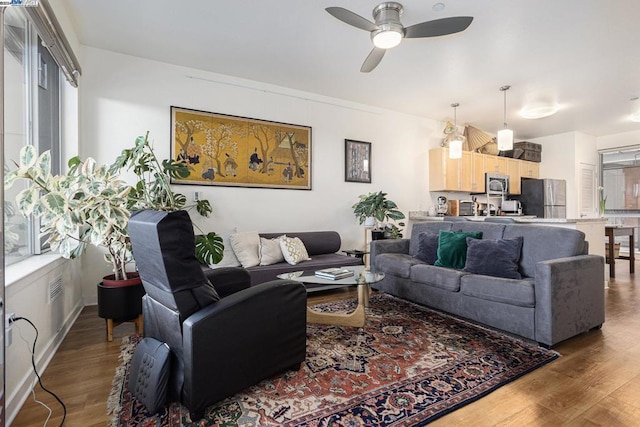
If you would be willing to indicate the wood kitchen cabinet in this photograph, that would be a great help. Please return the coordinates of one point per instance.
(513, 170)
(529, 169)
(477, 172)
(468, 173)
(447, 174)
(496, 164)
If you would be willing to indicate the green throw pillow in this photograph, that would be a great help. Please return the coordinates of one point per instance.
(452, 248)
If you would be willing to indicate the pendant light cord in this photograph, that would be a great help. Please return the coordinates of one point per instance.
(504, 90)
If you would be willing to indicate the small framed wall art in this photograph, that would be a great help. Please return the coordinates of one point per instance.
(357, 161)
(240, 151)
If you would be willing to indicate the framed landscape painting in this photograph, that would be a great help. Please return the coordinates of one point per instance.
(239, 151)
(357, 161)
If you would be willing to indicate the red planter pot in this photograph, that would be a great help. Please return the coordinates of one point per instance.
(110, 282)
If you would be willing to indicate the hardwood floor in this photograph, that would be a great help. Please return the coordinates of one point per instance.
(595, 382)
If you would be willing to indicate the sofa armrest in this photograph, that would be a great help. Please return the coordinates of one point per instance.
(384, 246)
(228, 280)
(569, 297)
(242, 339)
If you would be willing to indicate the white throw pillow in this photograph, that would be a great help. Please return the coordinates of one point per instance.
(293, 250)
(245, 245)
(270, 252)
(229, 258)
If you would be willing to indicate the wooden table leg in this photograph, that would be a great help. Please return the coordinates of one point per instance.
(356, 318)
(632, 258)
(612, 260)
(109, 330)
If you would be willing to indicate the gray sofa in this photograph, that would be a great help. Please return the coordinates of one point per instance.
(322, 247)
(560, 295)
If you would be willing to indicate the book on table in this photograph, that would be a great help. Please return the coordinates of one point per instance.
(334, 273)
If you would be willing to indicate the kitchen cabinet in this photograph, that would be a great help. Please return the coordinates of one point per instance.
(468, 173)
(495, 164)
(477, 172)
(447, 174)
(513, 170)
(529, 169)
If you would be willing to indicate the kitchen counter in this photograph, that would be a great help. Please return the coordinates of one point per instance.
(424, 216)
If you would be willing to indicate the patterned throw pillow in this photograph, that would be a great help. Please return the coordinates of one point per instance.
(293, 250)
(270, 252)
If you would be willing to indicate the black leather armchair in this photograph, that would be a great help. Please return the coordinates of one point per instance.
(221, 342)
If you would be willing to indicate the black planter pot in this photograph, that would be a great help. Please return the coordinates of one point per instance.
(377, 234)
(120, 303)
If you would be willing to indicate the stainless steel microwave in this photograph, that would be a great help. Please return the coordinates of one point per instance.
(496, 184)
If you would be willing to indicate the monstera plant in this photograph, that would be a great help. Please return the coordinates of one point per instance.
(91, 205)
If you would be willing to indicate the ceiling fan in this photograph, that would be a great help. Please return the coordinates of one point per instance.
(388, 31)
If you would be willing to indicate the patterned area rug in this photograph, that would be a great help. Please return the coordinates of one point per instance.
(407, 367)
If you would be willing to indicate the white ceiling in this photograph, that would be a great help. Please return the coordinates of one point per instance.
(583, 54)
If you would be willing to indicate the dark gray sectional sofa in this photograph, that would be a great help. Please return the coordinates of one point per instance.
(322, 247)
(560, 294)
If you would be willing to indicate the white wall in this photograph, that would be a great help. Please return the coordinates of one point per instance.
(124, 96)
(561, 158)
(618, 140)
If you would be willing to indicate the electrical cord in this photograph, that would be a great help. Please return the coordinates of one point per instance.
(33, 364)
(33, 391)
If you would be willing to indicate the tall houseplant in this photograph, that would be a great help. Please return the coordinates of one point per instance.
(383, 210)
(91, 205)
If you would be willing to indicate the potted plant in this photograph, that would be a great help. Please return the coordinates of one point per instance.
(91, 205)
(377, 206)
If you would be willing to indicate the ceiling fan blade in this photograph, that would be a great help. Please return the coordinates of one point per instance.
(438, 27)
(372, 61)
(351, 18)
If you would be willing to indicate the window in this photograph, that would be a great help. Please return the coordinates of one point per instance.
(32, 116)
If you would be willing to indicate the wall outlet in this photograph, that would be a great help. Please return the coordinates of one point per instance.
(196, 196)
(8, 333)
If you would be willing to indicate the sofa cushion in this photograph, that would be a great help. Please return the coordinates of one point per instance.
(427, 248)
(315, 242)
(489, 230)
(229, 258)
(293, 250)
(452, 248)
(438, 277)
(497, 258)
(397, 264)
(542, 243)
(507, 291)
(270, 252)
(425, 227)
(245, 245)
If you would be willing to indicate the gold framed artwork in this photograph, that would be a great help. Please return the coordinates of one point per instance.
(238, 151)
(357, 161)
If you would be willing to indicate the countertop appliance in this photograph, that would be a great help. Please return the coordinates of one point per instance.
(544, 198)
(496, 184)
(511, 207)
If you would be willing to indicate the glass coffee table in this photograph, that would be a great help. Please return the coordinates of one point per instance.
(361, 278)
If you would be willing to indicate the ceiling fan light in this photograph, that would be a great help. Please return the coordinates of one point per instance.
(505, 140)
(387, 39)
(455, 149)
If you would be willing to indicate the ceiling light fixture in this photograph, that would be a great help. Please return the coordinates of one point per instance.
(538, 110)
(455, 143)
(505, 136)
(635, 110)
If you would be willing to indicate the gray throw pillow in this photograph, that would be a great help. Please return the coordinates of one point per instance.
(498, 258)
(427, 248)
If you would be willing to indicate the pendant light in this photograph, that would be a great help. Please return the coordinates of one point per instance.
(505, 136)
(455, 143)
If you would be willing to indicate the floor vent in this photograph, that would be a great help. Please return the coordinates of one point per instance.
(55, 289)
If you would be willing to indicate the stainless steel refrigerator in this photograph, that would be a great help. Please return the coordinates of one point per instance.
(544, 198)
